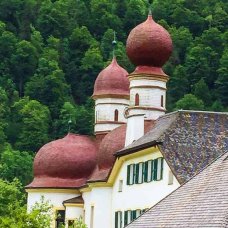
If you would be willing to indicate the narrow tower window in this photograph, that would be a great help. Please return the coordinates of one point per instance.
(116, 115)
(136, 99)
(162, 101)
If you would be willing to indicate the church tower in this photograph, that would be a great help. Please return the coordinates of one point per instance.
(149, 46)
(111, 95)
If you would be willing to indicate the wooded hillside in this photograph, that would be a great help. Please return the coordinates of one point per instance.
(52, 51)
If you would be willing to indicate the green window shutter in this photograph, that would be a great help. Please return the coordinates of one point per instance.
(121, 219)
(133, 215)
(145, 171)
(137, 173)
(155, 169)
(116, 219)
(128, 174)
(125, 217)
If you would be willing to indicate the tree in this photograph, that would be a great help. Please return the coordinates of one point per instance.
(11, 165)
(78, 223)
(34, 121)
(190, 102)
(201, 91)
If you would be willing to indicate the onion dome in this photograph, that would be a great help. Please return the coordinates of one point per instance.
(64, 163)
(112, 81)
(149, 44)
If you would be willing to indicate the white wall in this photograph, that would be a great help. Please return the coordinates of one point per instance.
(150, 93)
(105, 111)
(100, 198)
(54, 198)
(73, 212)
(140, 196)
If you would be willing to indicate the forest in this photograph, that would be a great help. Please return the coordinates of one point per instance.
(52, 51)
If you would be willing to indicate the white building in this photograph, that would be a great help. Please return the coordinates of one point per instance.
(112, 178)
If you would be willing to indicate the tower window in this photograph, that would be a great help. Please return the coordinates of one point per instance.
(136, 99)
(116, 115)
(162, 101)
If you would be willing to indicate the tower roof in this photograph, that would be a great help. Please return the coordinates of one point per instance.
(149, 44)
(112, 82)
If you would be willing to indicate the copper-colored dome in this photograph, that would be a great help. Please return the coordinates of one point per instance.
(112, 81)
(149, 44)
(113, 142)
(66, 162)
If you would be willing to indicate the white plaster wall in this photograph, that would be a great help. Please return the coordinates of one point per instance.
(140, 196)
(143, 82)
(100, 198)
(54, 198)
(73, 212)
(148, 97)
(148, 114)
(106, 127)
(135, 128)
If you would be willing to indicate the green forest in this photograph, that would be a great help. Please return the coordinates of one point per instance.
(52, 51)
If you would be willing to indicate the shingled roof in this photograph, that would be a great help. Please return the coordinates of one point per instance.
(200, 202)
(188, 140)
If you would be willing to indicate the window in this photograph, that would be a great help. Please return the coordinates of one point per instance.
(130, 174)
(136, 99)
(70, 223)
(118, 219)
(92, 217)
(139, 173)
(138, 213)
(170, 178)
(159, 169)
(127, 217)
(60, 218)
(145, 171)
(116, 115)
(162, 101)
(120, 186)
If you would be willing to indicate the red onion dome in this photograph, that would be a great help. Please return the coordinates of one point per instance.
(149, 44)
(64, 163)
(112, 81)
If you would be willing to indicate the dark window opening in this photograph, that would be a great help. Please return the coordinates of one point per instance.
(60, 218)
(162, 101)
(136, 99)
(116, 115)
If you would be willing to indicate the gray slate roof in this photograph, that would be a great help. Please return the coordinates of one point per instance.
(200, 202)
(188, 140)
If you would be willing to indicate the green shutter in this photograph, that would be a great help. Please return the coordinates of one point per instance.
(155, 169)
(125, 217)
(162, 161)
(128, 174)
(121, 219)
(133, 215)
(137, 173)
(145, 171)
(116, 219)
(151, 170)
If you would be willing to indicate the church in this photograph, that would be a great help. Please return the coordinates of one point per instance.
(138, 154)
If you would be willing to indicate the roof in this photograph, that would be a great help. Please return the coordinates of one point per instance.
(200, 202)
(75, 200)
(188, 140)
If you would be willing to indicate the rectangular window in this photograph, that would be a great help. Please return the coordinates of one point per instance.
(170, 178)
(60, 218)
(127, 217)
(92, 216)
(155, 169)
(131, 174)
(120, 186)
(159, 169)
(138, 213)
(150, 165)
(118, 219)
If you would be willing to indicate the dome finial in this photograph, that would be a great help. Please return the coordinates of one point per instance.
(114, 43)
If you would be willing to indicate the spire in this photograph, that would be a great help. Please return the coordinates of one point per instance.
(150, 8)
(114, 43)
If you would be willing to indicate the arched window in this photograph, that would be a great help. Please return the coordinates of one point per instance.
(116, 115)
(136, 99)
(162, 101)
